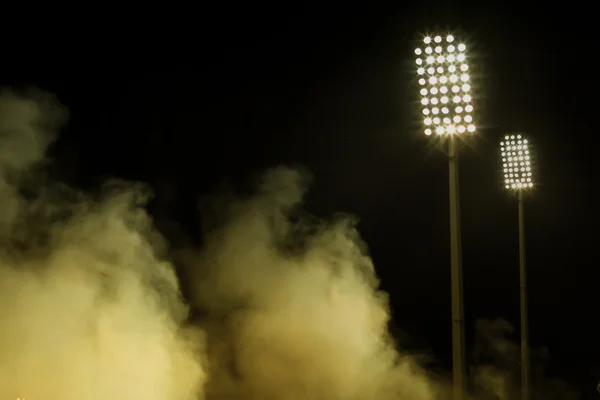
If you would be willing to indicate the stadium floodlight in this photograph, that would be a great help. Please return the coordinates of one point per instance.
(447, 110)
(442, 70)
(516, 161)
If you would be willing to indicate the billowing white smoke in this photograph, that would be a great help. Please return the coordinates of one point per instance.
(89, 312)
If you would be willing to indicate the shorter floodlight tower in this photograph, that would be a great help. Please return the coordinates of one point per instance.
(518, 178)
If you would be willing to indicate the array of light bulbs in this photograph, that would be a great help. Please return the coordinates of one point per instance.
(516, 162)
(444, 86)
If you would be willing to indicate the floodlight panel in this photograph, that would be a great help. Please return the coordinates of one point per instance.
(516, 162)
(444, 85)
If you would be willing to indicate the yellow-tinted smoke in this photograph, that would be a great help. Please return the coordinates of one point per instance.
(89, 312)
(297, 304)
(90, 308)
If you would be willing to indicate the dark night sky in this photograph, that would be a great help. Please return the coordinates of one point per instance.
(231, 91)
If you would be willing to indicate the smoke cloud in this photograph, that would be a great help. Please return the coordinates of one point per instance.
(287, 306)
(294, 306)
(89, 311)
(496, 367)
(28, 125)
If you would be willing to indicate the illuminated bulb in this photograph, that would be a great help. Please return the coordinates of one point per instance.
(437, 39)
(469, 108)
(466, 87)
(438, 49)
(458, 109)
(460, 58)
(421, 71)
(423, 92)
(435, 110)
(464, 67)
(444, 99)
(455, 89)
(456, 99)
(419, 61)
(422, 81)
(434, 100)
(418, 52)
(426, 111)
(464, 77)
(445, 110)
(450, 58)
(460, 129)
(433, 90)
(428, 50)
(462, 47)
(431, 70)
(449, 38)
(424, 101)
(451, 68)
(446, 121)
(427, 121)
(440, 70)
(453, 78)
(443, 89)
(450, 49)
(471, 128)
(443, 79)
(466, 98)
(468, 118)
(456, 119)
(433, 80)
(451, 129)
(427, 40)
(440, 59)
(428, 131)
(436, 121)
(430, 60)
(439, 130)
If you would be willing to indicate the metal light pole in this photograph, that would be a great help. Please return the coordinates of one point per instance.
(447, 109)
(456, 281)
(518, 176)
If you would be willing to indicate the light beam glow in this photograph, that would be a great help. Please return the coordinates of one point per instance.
(516, 161)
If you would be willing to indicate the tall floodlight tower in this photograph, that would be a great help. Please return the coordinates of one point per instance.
(447, 108)
(518, 178)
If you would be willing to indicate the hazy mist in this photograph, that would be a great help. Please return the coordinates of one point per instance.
(288, 306)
